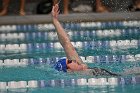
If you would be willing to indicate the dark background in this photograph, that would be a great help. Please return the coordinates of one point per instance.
(30, 7)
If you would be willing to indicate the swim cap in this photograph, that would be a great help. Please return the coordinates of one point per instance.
(61, 65)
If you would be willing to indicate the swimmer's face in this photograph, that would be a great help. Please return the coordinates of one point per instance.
(74, 66)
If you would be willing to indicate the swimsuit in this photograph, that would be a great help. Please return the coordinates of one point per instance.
(102, 72)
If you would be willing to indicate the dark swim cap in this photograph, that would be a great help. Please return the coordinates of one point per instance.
(61, 65)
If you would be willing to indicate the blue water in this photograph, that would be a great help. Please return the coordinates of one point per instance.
(28, 52)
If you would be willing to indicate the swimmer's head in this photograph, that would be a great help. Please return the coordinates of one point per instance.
(64, 64)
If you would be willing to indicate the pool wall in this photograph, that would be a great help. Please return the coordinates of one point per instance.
(36, 19)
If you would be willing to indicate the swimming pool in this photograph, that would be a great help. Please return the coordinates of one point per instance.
(28, 51)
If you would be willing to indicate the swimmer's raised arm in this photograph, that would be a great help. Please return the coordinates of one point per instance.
(63, 37)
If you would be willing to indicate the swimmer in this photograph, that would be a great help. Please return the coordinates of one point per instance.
(72, 62)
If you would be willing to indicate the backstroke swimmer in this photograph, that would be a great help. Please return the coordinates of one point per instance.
(72, 62)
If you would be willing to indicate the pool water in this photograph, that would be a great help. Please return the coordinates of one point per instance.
(28, 53)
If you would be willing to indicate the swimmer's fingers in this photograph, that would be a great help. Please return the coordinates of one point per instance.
(56, 8)
(55, 11)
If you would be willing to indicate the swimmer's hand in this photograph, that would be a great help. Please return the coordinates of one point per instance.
(55, 11)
